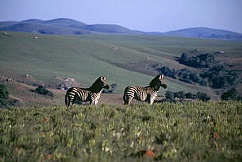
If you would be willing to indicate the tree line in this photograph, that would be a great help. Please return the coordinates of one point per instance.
(217, 76)
(181, 96)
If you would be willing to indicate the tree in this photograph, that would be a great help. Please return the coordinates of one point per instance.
(3, 92)
(231, 94)
(184, 58)
(190, 95)
(203, 96)
(199, 61)
(42, 90)
(4, 95)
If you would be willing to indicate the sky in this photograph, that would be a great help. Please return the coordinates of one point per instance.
(144, 15)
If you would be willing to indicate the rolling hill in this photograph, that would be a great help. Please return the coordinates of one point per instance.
(202, 32)
(65, 26)
(32, 59)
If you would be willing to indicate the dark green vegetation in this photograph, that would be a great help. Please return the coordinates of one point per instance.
(4, 95)
(171, 96)
(173, 132)
(213, 74)
(5, 100)
(44, 91)
(231, 94)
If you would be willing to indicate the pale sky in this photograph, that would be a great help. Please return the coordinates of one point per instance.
(144, 15)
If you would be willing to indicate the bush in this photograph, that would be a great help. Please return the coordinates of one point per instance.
(171, 96)
(231, 94)
(203, 96)
(200, 61)
(219, 77)
(3, 92)
(44, 91)
(4, 96)
(216, 77)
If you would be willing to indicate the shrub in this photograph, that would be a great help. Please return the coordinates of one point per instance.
(231, 94)
(4, 96)
(200, 61)
(3, 92)
(44, 91)
(203, 96)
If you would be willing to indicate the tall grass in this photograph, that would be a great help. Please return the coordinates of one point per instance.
(172, 132)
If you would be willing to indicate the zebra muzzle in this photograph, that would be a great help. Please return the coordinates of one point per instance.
(106, 86)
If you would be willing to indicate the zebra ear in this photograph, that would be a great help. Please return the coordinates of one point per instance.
(160, 77)
(103, 78)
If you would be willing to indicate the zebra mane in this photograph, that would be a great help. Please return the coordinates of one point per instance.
(97, 86)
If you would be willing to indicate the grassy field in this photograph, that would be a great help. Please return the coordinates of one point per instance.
(123, 59)
(164, 132)
(44, 130)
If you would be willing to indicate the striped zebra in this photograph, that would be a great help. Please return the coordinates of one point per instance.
(148, 93)
(91, 94)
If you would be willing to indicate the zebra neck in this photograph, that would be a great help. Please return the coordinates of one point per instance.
(95, 90)
(156, 88)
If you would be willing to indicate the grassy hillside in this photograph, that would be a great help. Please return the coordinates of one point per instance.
(123, 59)
(167, 132)
(50, 56)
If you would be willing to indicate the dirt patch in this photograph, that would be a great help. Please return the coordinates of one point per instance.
(112, 99)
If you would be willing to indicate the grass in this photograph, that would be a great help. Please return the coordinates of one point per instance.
(171, 132)
(123, 59)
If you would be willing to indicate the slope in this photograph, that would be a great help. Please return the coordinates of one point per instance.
(123, 59)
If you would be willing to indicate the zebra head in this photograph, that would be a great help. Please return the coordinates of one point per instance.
(99, 84)
(157, 82)
(104, 83)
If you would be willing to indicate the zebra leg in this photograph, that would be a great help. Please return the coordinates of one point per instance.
(93, 102)
(151, 102)
(129, 94)
(69, 100)
(70, 105)
(151, 99)
(128, 100)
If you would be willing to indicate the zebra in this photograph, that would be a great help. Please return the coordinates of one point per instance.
(91, 94)
(148, 93)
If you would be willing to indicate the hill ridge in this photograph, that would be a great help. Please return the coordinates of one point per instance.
(67, 26)
(205, 32)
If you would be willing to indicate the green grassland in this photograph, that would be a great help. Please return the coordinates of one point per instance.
(45, 130)
(123, 59)
(173, 132)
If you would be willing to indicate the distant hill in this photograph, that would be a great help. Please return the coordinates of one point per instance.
(65, 26)
(202, 32)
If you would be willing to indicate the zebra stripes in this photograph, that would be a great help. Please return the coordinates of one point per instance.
(91, 94)
(148, 93)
